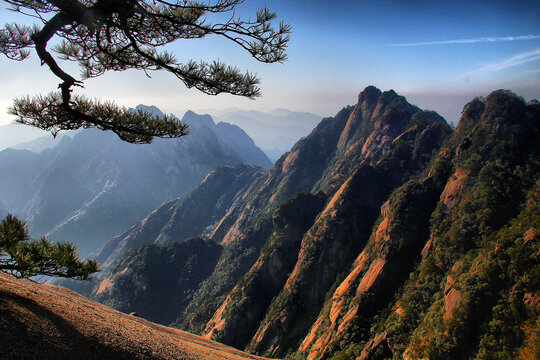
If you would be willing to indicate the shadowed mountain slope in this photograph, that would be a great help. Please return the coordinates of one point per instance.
(185, 217)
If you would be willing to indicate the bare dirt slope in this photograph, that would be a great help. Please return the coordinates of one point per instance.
(41, 321)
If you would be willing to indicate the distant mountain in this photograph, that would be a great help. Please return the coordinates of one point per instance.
(381, 234)
(41, 143)
(93, 186)
(13, 134)
(279, 129)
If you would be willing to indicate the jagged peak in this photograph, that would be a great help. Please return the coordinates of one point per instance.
(195, 120)
(498, 106)
(372, 104)
(474, 107)
(388, 96)
(501, 100)
(504, 93)
(391, 98)
(369, 97)
(154, 110)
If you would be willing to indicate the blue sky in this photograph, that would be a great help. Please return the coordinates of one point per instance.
(438, 54)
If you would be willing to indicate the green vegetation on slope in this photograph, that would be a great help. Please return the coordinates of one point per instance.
(474, 292)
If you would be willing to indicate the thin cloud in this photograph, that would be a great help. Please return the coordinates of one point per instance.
(515, 60)
(470, 41)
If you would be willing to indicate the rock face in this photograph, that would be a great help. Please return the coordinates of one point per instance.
(381, 234)
(113, 184)
(445, 218)
(237, 318)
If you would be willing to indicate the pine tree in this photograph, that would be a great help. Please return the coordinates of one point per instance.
(23, 257)
(104, 35)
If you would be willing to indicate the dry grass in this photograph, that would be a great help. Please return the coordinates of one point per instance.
(41, 321)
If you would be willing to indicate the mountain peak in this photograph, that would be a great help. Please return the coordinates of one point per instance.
(195, 120)
(429, 114)
(503, 101)
(149, 108)
(388, 96)
(499, 107)
(369, 97)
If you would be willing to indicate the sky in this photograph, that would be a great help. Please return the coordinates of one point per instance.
(439, 54)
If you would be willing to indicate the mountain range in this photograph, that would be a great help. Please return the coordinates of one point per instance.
(15, 134)
(382, 234)
(275, 132)
(93, 186)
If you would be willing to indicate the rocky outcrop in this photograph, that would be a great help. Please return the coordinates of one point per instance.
(375, 122)
(380, 269)
(236, 320)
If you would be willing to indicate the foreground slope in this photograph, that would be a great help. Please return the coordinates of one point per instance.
(40, 321)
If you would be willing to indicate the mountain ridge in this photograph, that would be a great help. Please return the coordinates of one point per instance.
(399, 195)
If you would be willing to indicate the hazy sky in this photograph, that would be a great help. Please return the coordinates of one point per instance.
(439, 54)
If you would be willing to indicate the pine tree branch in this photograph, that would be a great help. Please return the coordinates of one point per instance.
(104, 35)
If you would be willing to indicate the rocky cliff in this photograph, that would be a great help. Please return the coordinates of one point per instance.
(445, 265)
